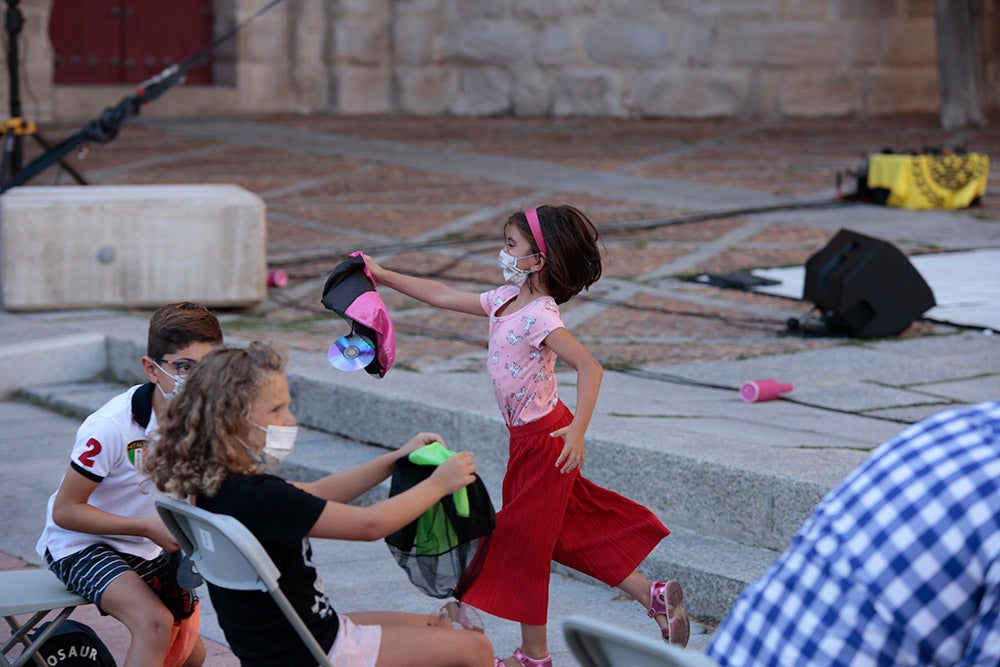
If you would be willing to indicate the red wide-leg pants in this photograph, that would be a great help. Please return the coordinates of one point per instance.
(549, 515)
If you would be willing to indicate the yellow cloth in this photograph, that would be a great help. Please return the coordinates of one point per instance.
(930, 181)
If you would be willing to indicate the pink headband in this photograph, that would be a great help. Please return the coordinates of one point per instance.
(536, 230)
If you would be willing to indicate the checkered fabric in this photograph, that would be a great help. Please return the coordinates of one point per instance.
(899, 565)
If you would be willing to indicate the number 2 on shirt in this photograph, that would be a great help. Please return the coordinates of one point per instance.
(93, 449)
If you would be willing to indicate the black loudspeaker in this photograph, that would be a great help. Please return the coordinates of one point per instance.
(865, 287)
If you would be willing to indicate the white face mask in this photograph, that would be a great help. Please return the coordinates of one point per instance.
(178, 384)
(511, 273)
(279, 442)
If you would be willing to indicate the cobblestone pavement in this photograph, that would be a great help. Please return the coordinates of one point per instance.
(429, 195)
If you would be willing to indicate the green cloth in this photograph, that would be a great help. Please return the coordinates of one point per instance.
(435, 454)
(434, 533)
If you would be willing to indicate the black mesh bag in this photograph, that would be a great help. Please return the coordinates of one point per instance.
(436, 551)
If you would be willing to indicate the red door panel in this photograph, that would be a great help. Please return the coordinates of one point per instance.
(159, 34)
(86, 36)
(128, 41)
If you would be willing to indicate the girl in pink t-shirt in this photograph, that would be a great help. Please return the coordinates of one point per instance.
(549, 510)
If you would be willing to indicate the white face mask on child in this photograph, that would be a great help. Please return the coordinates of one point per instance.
(279, 442)
(511, 273)
(178, 384)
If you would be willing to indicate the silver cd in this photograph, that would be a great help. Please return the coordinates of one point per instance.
(351, 353)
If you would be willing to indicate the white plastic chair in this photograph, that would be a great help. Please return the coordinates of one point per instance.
(596, 644)
(228, 555)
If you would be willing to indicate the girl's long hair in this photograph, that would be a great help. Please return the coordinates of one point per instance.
(198, 444)
(573, 257)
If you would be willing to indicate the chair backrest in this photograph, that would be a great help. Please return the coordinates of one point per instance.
(596, 644)
(228, 555)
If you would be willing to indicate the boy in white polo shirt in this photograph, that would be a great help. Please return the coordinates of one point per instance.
(103, 537)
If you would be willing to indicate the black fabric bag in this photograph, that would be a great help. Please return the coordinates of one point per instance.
(350, 292)
(437, 550)
(74, 644)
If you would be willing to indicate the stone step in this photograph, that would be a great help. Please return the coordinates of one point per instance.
(729, 494)
(713, 570)
(27, 361)
(696, 456)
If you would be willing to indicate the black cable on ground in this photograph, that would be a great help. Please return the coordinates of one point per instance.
(677, 379)
(606, 229)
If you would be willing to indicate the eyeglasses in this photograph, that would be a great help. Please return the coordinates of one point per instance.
(181, 366)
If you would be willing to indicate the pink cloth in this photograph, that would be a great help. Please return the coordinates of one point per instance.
(350, 292)
(520, 364)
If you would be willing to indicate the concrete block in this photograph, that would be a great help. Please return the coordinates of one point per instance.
(131, 245)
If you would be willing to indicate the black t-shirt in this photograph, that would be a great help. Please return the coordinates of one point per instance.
(280, 516)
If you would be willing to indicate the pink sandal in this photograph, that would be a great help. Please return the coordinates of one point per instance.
(668, 600)
(461, 616)
(525, 661)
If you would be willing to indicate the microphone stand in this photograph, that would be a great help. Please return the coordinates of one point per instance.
(13, 22)
(15, 127)
(105, 127)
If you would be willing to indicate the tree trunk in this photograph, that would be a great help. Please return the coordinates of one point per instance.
(961, 62)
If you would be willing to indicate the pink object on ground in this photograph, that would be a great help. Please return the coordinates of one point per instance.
(755, 391)
(276, 278)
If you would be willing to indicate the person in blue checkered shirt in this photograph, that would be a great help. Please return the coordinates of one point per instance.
(898, 565)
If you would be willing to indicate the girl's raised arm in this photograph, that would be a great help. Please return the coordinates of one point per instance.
(432, 292)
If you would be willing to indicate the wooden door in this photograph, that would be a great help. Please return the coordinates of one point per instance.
(128, 41)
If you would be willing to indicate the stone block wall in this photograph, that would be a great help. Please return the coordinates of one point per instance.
(657, 58)
(624, 58)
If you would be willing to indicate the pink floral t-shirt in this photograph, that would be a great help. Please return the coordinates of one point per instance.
(520, 364)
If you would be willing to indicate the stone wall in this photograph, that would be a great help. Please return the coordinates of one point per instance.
(653, 58)
(624, 58)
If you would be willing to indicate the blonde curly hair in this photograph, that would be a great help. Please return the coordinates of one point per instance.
(198, 444)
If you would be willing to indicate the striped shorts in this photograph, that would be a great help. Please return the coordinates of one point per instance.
(90, 571)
